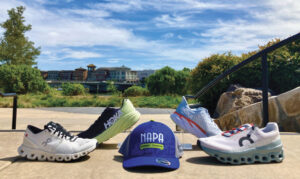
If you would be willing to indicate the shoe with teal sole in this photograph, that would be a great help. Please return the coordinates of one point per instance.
(246, 145)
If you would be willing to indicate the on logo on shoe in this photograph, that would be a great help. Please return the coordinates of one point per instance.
(112, 119)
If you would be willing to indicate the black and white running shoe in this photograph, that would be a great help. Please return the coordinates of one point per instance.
(111, 122)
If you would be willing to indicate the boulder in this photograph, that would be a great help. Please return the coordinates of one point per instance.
(283, 109)
(235, 98)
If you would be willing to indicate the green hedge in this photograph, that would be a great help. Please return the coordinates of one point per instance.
(72, 89)
(136, 91)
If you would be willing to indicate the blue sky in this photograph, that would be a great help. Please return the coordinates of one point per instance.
(150, 34)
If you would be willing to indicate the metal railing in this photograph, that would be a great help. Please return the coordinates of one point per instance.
(15, 105)
(263, 54)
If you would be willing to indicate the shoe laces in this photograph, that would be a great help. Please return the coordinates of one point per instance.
(59, 131)
(234, 131)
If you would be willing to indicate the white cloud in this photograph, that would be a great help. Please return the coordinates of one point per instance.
(113, 60)
(119, 6)
(172, 21)
(80, 54)
(279, 19)
(88, 13)
(168, 35)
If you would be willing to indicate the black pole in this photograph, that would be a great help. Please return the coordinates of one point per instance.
(265, 85)
(14, 118)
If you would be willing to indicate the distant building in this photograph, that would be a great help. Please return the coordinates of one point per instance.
(122, 74)
(118, 74)
(80, 74)
(44, 74)
(142, 74)
(53, 75)
(66, 75)
(91, 70)
(101, 74)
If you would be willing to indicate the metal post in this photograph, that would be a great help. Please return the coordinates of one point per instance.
(265, 85)
(14, 118)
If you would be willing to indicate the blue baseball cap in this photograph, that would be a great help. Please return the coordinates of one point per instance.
(151, 144)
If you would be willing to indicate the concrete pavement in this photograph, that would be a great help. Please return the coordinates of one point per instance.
(106, 162)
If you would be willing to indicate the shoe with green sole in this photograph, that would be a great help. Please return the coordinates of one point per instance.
(112, 122)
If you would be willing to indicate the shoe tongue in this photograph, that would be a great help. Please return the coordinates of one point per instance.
(51, 126)
(108, 110)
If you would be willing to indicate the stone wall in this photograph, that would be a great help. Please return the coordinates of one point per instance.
(283, 109)
(235, 99)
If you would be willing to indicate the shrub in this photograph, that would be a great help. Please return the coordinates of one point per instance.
(136, 91)
(22, 79)
(282, 68)
(72, 89)
(168, 81)
(111, 87)
(206, 71)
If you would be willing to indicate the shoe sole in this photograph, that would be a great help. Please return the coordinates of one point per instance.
(265, 154)
(177, 120)
(35, 154)
(122, 124)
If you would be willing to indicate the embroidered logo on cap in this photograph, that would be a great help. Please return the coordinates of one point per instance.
(163, 161)
(152, 140)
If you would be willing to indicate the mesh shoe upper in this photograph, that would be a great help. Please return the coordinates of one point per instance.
(195, 120)
(242, 138)
(55, 139)
(105, 120)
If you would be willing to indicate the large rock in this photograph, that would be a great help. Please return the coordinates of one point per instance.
(236, 98)
(283, 109)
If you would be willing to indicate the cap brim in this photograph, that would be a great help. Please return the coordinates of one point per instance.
(171, 163)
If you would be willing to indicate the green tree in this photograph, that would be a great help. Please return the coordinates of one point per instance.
(21, 79)
(15, 48)
(168, 81)
(207, 70)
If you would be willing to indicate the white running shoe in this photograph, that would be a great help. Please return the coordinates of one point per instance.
(196, 121)
(246, 144)
(54, 143)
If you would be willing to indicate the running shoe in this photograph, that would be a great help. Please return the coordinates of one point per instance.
(246, 144)
(112, 122)
(54, 143)
(196, 121)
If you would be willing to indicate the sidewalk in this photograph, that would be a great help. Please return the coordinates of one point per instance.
(106, 162)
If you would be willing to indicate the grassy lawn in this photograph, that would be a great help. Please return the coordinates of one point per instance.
(56, 99)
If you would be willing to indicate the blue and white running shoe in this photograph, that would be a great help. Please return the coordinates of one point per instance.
(246, 144)
(196, 121)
